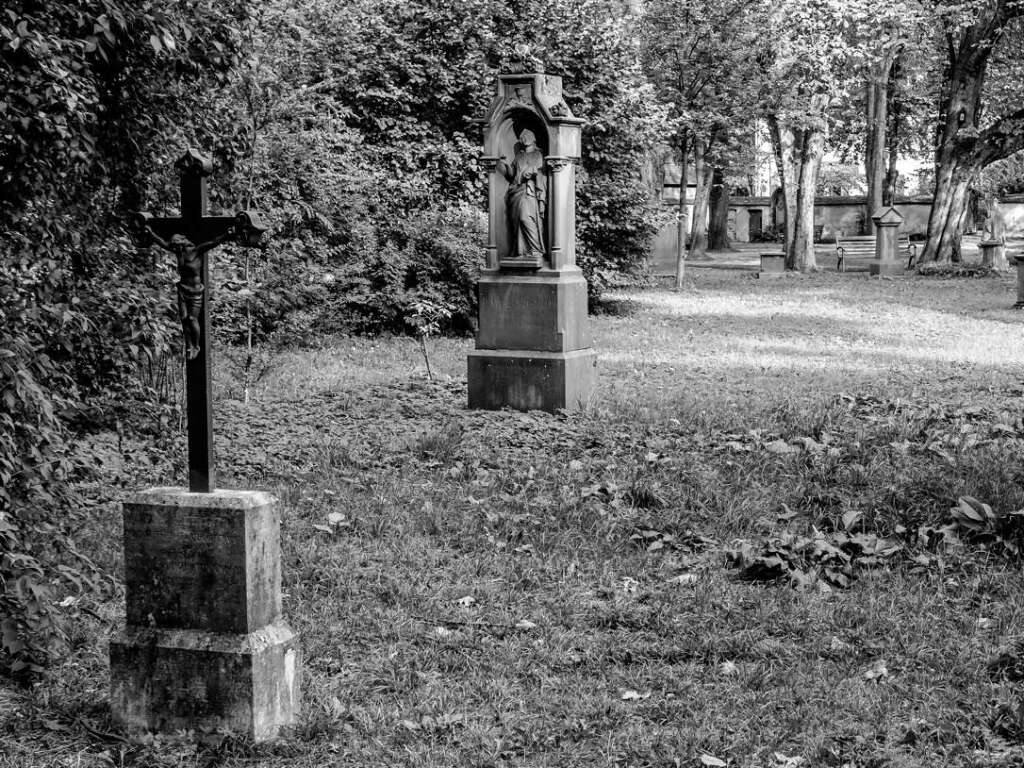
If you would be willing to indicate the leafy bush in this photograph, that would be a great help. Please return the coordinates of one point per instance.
(432, 258)
(92, 90)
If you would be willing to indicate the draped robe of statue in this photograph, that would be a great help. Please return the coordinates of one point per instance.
(526, 198)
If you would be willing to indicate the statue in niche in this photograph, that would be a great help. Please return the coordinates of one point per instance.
(526, 199)
(992, 230)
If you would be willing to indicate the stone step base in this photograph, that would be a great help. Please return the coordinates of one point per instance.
(169, 680)
(886, 268)
(528, 381)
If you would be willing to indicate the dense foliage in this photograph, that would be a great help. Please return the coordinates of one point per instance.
(349, 124)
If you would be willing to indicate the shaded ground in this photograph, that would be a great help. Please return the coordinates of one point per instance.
(741, 551)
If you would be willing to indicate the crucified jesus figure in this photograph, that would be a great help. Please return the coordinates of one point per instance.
(190, 282)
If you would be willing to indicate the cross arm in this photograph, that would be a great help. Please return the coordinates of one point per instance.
(247, 226)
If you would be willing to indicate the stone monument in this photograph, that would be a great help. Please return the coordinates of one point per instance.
(887, 228)
(205, 646)
(993, 239)
(533, 348)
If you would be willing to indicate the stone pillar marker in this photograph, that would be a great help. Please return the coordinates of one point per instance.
(887, 228)
(204, 647)
(993, 238)
(533, 348)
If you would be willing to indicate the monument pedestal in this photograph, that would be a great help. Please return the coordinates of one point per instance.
(531, 381)
(887, 228)
(205, 647)
(885, 268)
(533, 347)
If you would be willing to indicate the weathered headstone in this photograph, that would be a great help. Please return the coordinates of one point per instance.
(773, 264)
(205, 646)
(533, 348)
(887, 228)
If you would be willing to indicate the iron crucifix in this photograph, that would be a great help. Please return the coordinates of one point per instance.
(189, 237)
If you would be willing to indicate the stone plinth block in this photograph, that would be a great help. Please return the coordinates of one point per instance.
(544, 381)
(205, 561)
(885, 268)
(205, 646)
(168, 680)
(533, 313)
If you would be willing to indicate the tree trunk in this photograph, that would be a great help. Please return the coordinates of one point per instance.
(798, 153)
(718, 230)
(812, 149)
(894, 130)
(874, 144)
(955, 166)
(681, 216)
(701, 198)
(783, 140)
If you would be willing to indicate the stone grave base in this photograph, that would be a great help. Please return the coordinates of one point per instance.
(204, 647)
(531, 380)
(532, 312)
(175, 679)
(885, 268)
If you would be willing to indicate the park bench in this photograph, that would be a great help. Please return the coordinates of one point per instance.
(863, 247)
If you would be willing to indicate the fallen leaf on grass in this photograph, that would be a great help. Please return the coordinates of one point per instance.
(972, 514)
(780, 447)
(684, 579)
(631, 695)
(877, 671)
(525, 624)
(851, 518)
(838, 646)
(809, 444)
(335, 521)
(712, 762)
(785, 761)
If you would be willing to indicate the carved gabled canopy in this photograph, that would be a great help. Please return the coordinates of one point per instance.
(531, 100)
(887, 216)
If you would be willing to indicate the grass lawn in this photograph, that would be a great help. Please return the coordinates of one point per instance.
(747, 550)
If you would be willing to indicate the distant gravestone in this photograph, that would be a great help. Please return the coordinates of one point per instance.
(205, 647)
(887, 228)
(993, 238)
(533, 348)
(773, 264)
